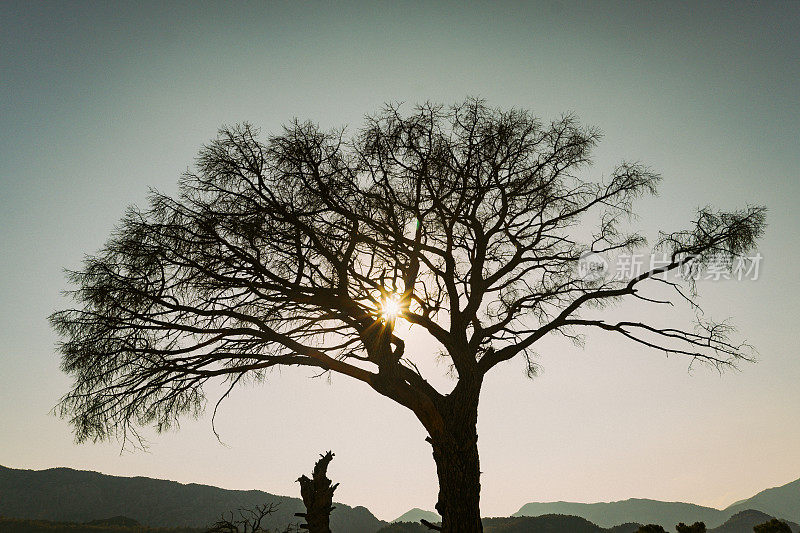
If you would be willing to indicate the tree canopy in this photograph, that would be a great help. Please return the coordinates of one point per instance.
(697, 527)
(305, 248)
(773, 526)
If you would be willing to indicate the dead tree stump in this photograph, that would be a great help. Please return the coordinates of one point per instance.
(317, 496)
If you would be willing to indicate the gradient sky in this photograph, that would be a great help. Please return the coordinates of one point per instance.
(98, 102)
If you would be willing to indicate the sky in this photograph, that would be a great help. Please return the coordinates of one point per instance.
(100, 101)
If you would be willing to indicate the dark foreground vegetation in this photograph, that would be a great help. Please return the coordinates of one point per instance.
(118, 524)
(526, 524)
(743, 522)
(123, 524)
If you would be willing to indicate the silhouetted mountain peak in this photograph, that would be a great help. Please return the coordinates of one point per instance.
(416, 514)
(780, 502)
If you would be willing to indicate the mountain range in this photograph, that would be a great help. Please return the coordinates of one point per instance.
(781, 502)
(63, 494)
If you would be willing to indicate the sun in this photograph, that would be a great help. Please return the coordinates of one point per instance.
(391, 307)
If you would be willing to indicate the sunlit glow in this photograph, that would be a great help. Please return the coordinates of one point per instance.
(391, 307)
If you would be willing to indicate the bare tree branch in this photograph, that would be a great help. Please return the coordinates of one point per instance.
(307, 248)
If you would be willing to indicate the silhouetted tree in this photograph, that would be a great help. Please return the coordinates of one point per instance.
(697, 527)
(651, 528)
(244, 520)
(317, 494)
(773, 526)
(307, 248)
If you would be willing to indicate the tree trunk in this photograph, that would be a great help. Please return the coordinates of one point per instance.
(317, 494)
(455, 450)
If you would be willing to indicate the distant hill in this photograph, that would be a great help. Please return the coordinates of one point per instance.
(416, 514)
(525, 524)
(743, 522)
(66, 495)
(81, 497)
(634, 510)
(781, 502)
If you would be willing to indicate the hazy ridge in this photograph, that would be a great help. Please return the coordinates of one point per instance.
(63, 494)
(781, 502)
(66, 495)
